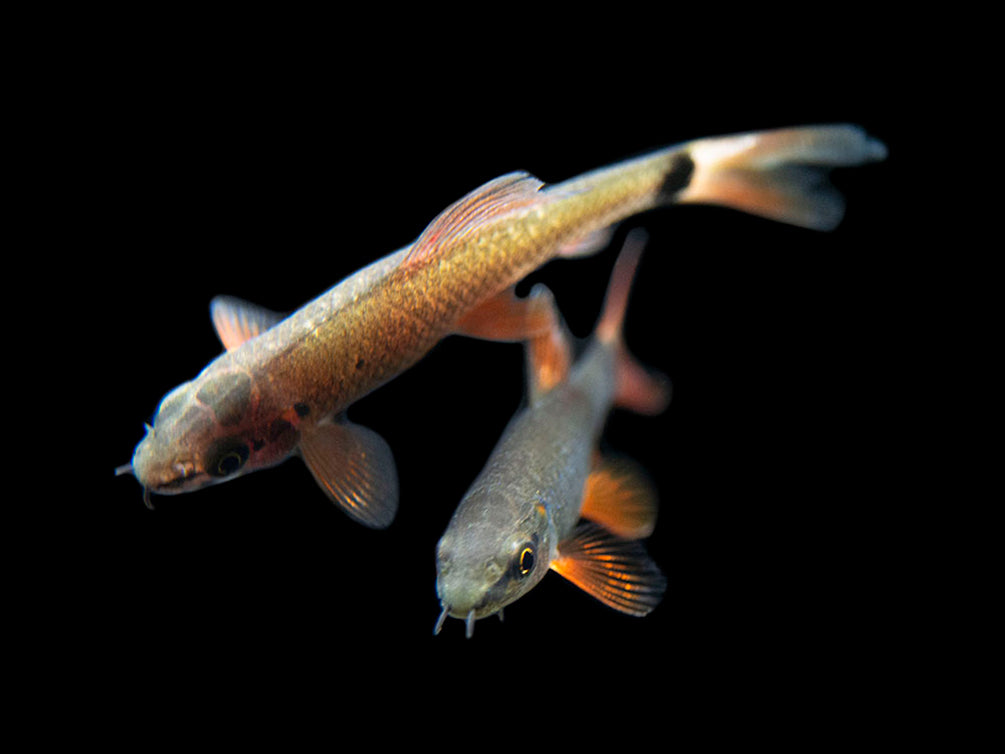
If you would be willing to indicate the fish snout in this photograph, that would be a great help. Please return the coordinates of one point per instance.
(161, 473)
(466, 592)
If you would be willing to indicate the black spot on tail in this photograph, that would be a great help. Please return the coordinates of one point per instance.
(678, 177)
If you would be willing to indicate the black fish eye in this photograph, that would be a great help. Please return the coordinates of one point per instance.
(230, 460)
(526, 562)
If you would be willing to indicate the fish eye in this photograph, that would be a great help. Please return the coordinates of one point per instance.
(230, 459)
(525, 564)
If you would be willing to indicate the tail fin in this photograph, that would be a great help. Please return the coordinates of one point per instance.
(637, 388)
(780, 174)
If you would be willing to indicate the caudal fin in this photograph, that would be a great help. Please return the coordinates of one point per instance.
(779, 174)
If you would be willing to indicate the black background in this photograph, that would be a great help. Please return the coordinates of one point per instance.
(272, 181)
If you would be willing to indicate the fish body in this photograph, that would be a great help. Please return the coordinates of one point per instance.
(283, 385)
(521, 516)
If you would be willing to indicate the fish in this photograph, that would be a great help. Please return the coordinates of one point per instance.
(284, 383)
(546, 498)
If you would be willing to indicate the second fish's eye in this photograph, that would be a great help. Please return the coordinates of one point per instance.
(230, 459)
(526, 563)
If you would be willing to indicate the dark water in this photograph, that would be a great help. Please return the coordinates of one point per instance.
(768, 333)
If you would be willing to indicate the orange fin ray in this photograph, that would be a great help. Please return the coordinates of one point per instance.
(620, 497)
(549, 354)
(498, 196)
(237, 321)
(506, 317)
(355, 467)
(615, 571)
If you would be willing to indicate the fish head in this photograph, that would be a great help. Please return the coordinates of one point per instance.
(204, 433)
(488, 558)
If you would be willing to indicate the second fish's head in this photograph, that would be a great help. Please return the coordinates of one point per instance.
(488, 557)
(204, 433)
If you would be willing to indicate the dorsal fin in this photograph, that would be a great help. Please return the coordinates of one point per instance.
(236, 321)
(499, 195)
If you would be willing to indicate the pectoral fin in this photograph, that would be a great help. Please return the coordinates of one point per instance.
(355, 468)
(236, 321)
(615, 571)
(620, 497)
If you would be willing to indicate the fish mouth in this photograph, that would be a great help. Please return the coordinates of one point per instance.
(187, 481)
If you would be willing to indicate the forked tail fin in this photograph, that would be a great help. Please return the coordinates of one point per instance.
(779, 174)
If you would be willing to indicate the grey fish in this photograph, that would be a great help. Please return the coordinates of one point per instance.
(522, 515)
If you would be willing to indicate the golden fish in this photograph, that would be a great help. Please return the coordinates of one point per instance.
(283, 385)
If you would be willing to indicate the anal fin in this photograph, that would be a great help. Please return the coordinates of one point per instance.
(615, 571)
(355, 467)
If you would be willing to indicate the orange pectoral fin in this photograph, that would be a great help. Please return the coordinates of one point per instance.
(620, 497)
(615, 571)
(355, 468)
(237, 321)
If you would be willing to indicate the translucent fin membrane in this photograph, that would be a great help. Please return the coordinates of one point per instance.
(617, 572)
(780, 174)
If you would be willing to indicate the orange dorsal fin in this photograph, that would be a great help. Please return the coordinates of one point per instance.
(503, 194)
(620, 497)
(617, 572)
(237, 321)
